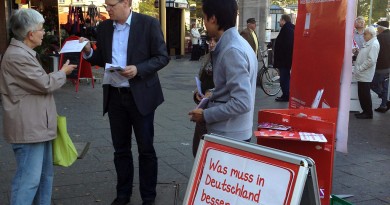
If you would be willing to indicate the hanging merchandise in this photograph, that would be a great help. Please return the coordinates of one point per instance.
(75, 20)
(21, 1)
(68, 25)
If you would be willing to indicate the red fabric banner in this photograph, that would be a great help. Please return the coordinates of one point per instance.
(318, 52)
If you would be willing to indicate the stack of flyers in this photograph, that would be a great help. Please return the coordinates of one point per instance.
(291, 135)
(313, 137)
(277, 133)
(273, 126)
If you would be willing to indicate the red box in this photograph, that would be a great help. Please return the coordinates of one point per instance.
(321, 121)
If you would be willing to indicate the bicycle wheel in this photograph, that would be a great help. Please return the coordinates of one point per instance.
(270, 81)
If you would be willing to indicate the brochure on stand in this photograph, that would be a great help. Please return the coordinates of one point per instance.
(291, 135)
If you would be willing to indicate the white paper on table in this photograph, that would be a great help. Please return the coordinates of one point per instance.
(73, 46)
(111, 74)
(199, 87)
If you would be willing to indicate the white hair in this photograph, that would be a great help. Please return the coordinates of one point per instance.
(23, 21)
(371, 30)
(359, 18)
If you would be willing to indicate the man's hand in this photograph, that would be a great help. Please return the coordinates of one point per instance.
(87, 47)
(196, 115)
(355, 51)
(129, 72)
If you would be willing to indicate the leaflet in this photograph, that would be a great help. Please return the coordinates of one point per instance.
(203, 103)
(199, 87)
(111, 74)
(73, 46)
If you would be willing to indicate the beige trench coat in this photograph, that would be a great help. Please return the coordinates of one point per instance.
(29, 110)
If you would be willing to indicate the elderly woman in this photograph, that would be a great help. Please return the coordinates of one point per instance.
(206, 83)
(29, 110)
(364, 71)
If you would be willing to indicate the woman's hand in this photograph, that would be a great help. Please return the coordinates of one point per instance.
(198, 96)
(208, 94)
(68, 68)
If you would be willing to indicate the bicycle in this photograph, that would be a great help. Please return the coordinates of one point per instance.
(268, 78)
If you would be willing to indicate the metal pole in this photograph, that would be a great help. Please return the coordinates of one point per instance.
(370, 16)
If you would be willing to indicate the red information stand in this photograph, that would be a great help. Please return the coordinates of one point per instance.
(83, 69)
(322, 121)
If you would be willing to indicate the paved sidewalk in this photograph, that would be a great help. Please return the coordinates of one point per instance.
(364, 172)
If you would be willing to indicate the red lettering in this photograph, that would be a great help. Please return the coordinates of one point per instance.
(217, 167)
(212, 200)
(241, 175)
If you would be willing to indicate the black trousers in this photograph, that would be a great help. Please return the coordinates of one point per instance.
(285, 81)
(125, 117)
(365, 97)
(195, 54)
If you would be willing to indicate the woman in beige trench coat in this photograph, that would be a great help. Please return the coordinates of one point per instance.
(29, 110)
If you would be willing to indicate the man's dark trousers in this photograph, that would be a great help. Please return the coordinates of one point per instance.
(365, 97)
(285, 82)
(380, 86)
(124, 115)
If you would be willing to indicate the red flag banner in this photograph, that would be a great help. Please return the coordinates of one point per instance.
(318, 56)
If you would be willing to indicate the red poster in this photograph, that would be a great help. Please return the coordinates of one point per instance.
(318, 57)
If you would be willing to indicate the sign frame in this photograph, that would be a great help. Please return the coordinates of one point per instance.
(303, 167)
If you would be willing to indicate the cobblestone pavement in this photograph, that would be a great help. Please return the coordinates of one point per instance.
(364, 172)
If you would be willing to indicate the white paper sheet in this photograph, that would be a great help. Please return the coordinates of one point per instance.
(73, 46)
(111, 74)
(198, 86)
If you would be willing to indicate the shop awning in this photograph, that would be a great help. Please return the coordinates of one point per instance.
(183, 4)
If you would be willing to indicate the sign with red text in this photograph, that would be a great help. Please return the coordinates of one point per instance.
(228, 172)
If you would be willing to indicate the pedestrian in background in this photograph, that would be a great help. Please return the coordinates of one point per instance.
(358, 35)
(249, 34)
(195, 40)
(364, 70)
(29, 110)
(379, 84)
(231, 105)
(134, 42)
(206, 79)
(283, 55)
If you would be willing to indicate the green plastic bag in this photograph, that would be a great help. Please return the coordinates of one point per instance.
(64, 151)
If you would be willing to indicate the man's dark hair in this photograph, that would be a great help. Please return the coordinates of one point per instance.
(225, 11)
(286, 18)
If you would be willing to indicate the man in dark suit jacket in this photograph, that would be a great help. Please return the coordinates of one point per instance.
(380, 84)
(283, 55)
(134, 42)
(250, 35)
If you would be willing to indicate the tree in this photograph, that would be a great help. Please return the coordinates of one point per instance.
(283, 3)
(147, 7)
(378, 9)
